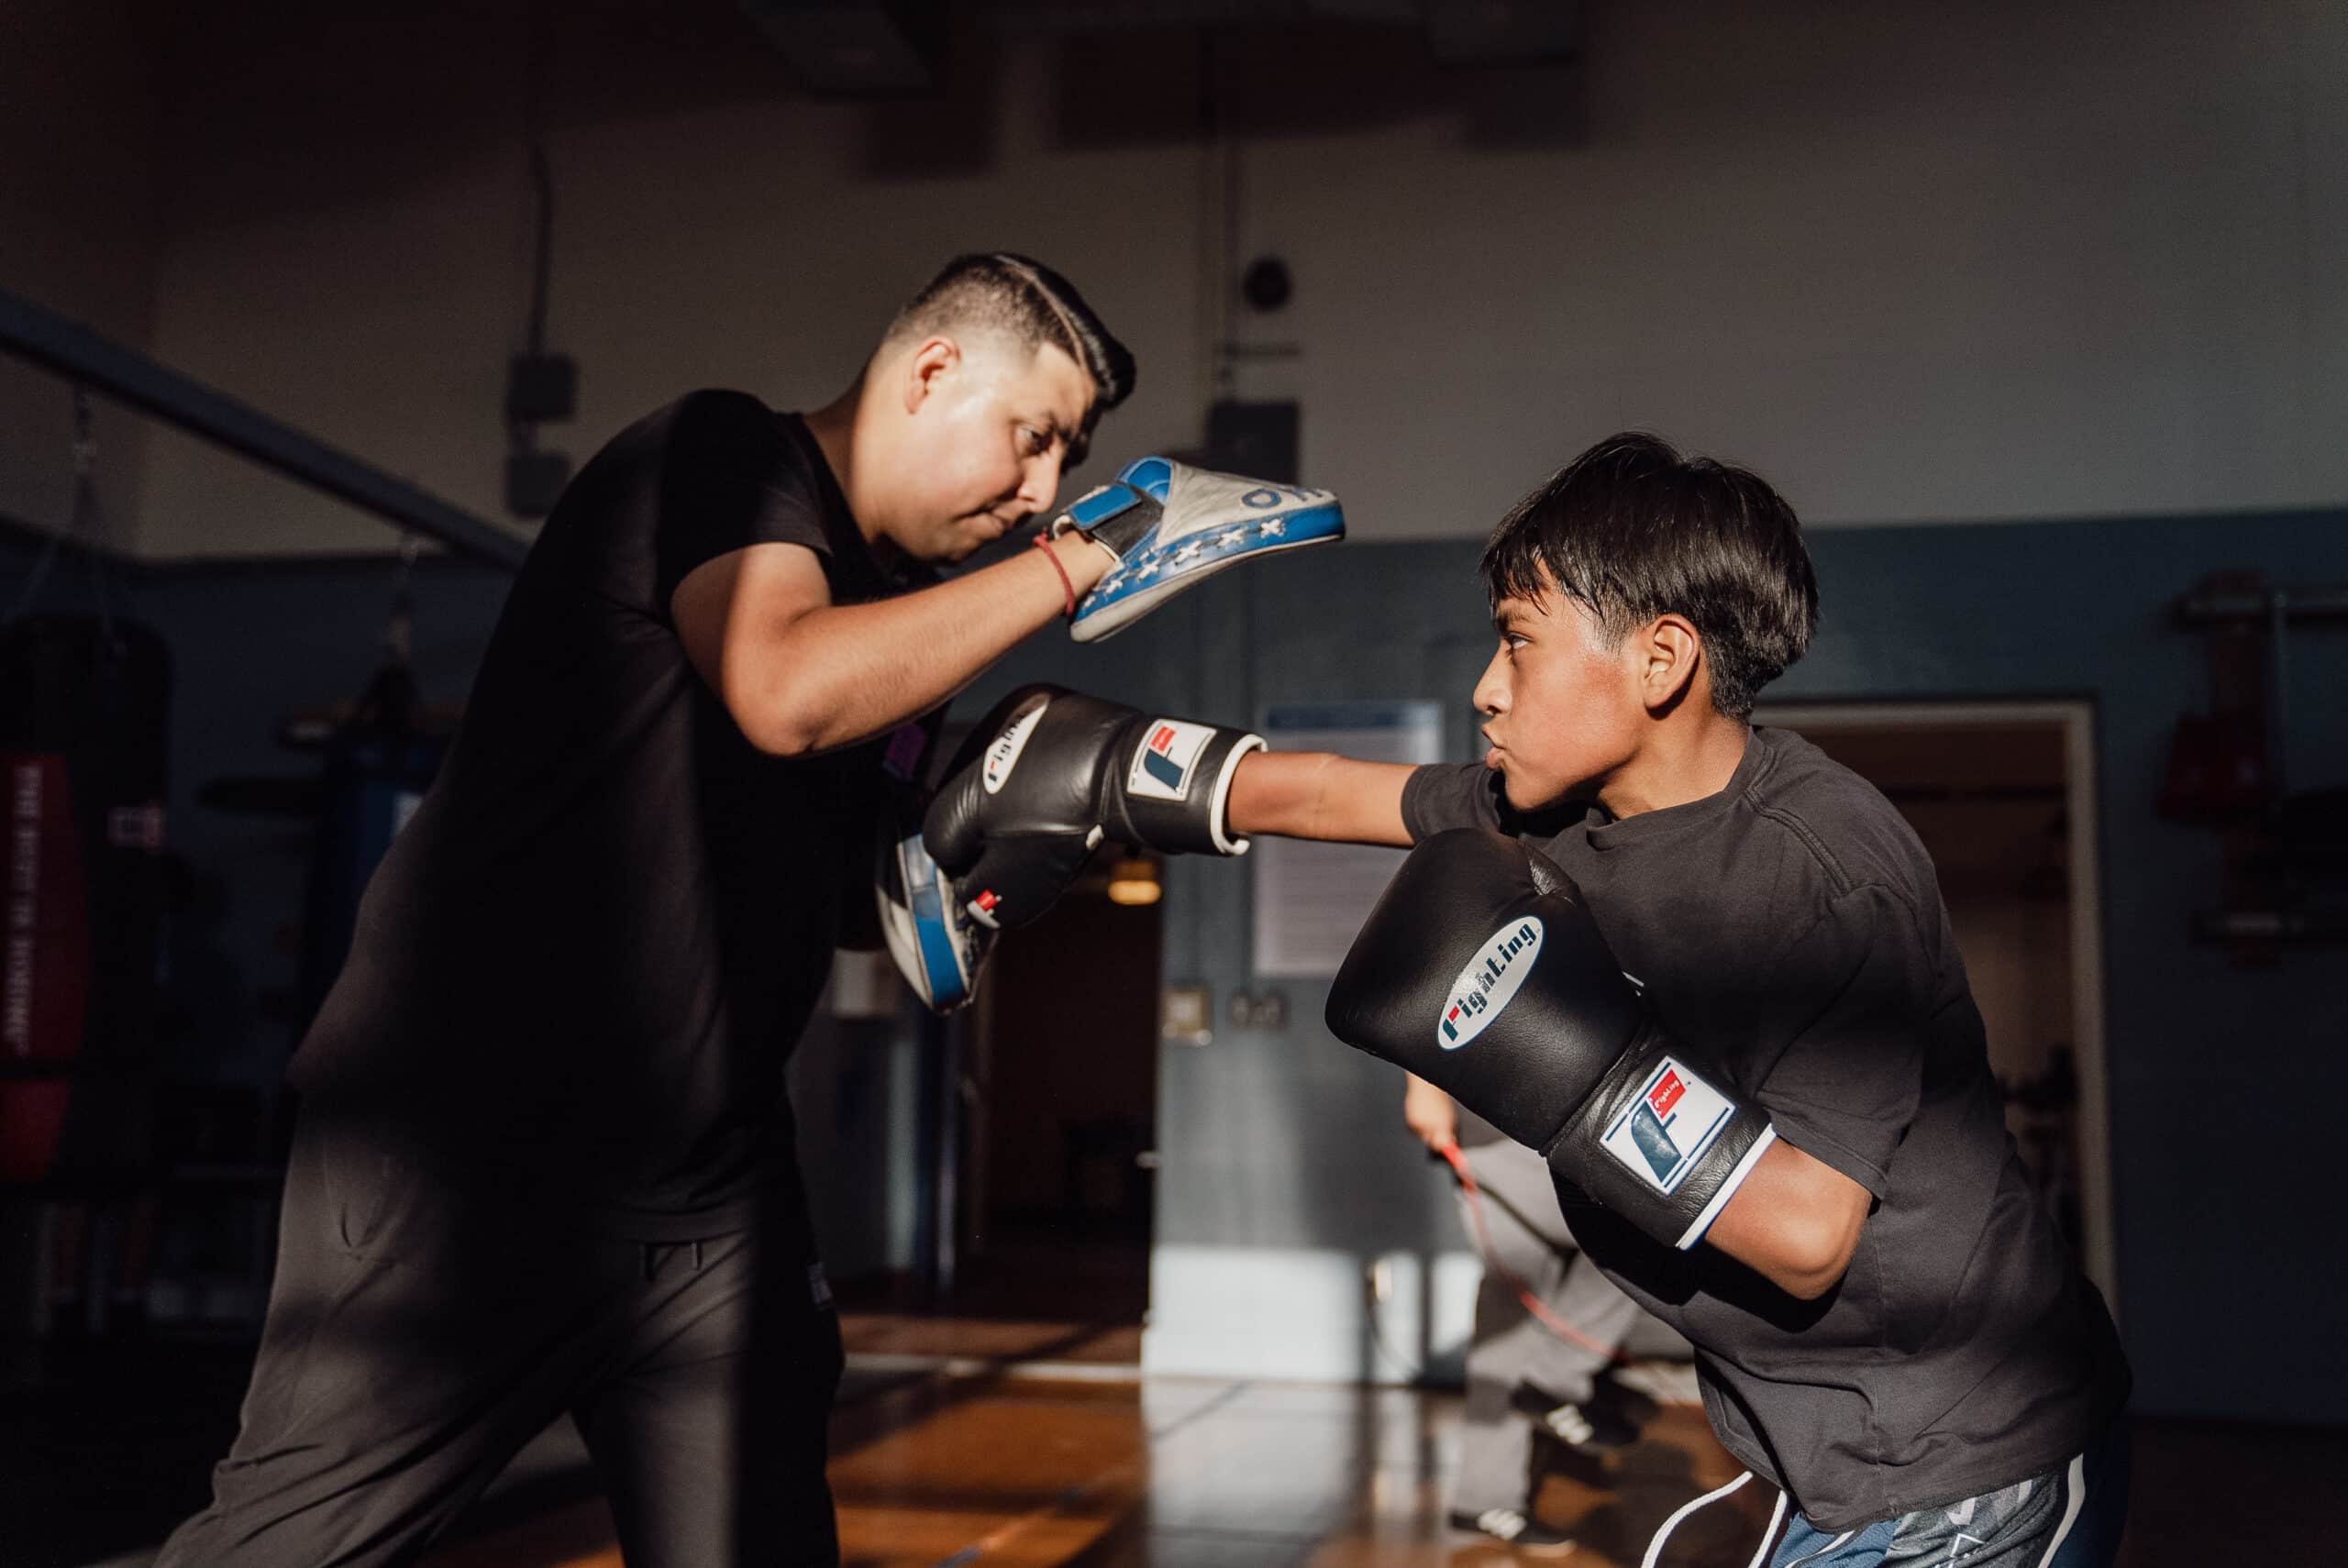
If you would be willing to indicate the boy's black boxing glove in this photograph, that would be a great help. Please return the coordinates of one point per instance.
(1049, 773)
(1482, 971)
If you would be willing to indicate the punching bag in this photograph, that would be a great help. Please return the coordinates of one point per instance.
(378, 764)
(84, 714)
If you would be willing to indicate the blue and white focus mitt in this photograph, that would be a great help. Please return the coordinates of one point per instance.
(1170, 527)
(939, 948)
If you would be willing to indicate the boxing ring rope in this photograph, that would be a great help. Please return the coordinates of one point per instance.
(73, 351)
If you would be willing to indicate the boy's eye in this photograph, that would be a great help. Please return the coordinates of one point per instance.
(1034, 441)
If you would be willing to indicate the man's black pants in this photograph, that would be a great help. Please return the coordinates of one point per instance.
(421, 1331)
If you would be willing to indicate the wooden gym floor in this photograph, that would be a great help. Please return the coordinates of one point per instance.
(974, 1458)
(1006, 1443)
(1074, 1460)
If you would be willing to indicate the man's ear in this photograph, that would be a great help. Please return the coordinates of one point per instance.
(1672, 649)
(927, 364)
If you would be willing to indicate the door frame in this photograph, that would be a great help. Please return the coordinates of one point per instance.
(2077, 719)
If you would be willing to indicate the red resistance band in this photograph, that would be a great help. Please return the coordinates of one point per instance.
(1532, 1304)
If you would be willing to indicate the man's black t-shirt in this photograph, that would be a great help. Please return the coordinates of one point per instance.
(580, 970)
(1790, 928)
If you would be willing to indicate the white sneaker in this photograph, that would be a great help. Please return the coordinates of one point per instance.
(1516, 1530)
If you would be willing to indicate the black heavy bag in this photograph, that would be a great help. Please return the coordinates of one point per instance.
(84, 737)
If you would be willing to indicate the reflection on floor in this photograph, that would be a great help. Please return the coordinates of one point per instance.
(942, 1460)
(1031, 1443)
(958, 1346)
(1025, 1472)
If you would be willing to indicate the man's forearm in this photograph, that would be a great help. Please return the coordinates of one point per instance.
(1320, 795)
(845, 672)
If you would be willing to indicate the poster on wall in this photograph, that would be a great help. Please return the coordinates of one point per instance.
(1311, 898)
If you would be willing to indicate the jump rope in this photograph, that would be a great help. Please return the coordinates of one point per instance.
(1450, 1151)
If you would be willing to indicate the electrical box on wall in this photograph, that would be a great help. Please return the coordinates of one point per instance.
(540, 388)
(1259, 439)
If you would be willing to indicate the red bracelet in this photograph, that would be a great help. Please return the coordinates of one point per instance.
(1068, 585)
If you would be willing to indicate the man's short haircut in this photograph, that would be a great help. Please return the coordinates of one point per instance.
(1031, 304)
(1632, 530)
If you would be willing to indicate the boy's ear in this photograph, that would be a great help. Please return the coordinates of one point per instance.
(1673, 650)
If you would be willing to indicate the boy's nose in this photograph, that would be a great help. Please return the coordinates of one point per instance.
(1491, 689)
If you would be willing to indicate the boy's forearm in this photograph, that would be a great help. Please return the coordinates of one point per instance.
(1795, 1222)
(1320, 795)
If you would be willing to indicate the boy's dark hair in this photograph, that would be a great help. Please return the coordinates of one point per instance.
(1033, 306)
(1632, 530)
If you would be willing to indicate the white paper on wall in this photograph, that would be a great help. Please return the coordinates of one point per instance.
(1311, 898)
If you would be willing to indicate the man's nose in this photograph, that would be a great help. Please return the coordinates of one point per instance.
(1041, 482)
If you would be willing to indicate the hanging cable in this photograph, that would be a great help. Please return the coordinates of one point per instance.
(541, 385)
(81, 519)
(536, 46)
(399, 626)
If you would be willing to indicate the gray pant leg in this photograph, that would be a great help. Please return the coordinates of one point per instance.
(1517, 1185)
(711, 1435)
(403, 1363)
(1528, 1238)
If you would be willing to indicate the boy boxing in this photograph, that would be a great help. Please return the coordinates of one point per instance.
(1708, 974)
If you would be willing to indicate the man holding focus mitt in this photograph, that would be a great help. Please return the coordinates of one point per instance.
(545, 1165)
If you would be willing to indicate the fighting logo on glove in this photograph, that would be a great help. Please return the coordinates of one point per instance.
(1539, 1032)
(1170, 527)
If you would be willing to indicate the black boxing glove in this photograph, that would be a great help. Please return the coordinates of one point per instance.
(1482, 971)
(1050, 773)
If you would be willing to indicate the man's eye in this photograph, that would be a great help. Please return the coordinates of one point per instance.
(1035, 441)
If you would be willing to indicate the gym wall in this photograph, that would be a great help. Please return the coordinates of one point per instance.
(2009, 262)
(1285, 1166)
(1922, 263)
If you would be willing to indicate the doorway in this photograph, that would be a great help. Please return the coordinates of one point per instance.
(1060, 1108)
(2003, 796)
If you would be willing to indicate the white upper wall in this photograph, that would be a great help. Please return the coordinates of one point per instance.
(1912, 262)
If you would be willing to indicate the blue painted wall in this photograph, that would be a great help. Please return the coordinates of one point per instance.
(2230, 1257)
(2230, 1251)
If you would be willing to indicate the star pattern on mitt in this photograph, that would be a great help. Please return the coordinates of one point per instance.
(1156, 558)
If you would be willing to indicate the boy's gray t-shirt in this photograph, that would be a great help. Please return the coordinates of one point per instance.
(1791, 929)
